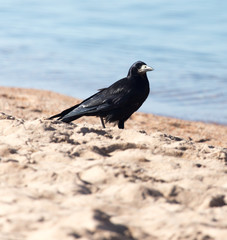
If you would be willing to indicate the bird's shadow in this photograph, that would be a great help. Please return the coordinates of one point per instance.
(86, 130)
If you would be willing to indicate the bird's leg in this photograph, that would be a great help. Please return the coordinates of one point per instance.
(121, 124)
(102, 121)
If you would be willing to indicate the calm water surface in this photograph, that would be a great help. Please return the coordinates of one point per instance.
(76, 47)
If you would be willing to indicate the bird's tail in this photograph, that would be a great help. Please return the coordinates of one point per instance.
(63, 113)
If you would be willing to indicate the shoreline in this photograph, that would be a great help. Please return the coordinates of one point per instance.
(33, 103)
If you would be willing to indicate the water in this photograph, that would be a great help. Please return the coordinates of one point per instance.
(76, 47)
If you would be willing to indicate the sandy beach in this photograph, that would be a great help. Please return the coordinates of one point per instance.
(160, 178)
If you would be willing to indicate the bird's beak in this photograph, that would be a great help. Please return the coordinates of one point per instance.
(144, 68)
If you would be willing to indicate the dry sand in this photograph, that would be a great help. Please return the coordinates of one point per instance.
(160, 178)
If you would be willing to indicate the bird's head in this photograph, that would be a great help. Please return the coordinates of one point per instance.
(139, 68)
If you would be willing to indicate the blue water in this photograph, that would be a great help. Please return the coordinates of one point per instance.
(76, 47)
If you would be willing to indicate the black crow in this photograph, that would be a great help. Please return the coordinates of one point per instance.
(115, 103)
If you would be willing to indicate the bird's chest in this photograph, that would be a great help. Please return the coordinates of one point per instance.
(141, 89)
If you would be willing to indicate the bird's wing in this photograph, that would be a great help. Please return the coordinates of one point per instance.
(76, 110)
(105, 100)
(89, 106)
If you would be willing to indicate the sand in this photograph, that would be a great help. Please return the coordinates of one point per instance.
(160, 178)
